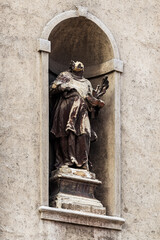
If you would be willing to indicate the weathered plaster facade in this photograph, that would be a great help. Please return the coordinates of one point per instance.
(135, 26)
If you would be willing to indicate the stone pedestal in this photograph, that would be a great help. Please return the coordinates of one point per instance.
(74, 189)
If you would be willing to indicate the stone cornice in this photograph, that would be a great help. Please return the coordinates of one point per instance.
(81, 218)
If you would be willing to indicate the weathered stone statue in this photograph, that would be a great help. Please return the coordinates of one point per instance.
(75, 102)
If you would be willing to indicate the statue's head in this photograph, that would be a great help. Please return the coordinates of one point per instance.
(76, 66)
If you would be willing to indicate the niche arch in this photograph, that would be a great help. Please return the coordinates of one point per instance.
(62, 40)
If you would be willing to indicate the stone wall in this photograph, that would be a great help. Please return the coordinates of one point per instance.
(136, 28)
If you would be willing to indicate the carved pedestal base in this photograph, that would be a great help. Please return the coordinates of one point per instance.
(74, 189)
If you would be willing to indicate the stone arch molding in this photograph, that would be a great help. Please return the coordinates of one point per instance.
(114, 65)
(83, 12)
(44, 45)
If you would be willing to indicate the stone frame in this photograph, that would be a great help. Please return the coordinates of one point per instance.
(115, 65)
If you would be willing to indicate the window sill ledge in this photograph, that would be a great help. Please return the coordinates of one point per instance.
(81, 218)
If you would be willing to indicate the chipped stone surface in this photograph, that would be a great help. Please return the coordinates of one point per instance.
(74, 189)
(136, 28)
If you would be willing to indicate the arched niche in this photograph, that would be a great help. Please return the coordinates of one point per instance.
(79, 35)
(79, 38)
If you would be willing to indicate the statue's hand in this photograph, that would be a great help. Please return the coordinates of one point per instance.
(53, 86)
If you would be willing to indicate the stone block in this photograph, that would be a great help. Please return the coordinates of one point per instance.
(74, 189)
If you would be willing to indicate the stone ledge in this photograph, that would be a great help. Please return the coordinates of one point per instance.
(81, 218)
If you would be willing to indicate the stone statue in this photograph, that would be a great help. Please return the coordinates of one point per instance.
(74, 102)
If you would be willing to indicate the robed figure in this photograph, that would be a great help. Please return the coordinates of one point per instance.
(74, 102)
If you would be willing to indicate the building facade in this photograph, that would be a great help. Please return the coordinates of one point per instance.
(120, 38)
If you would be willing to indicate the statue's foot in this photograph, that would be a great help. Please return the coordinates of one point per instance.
(85, 166)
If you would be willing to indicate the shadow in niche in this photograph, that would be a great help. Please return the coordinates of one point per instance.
(52, 100)
(92, 47)
(78, 39)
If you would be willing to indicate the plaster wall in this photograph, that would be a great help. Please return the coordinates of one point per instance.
(136, 28)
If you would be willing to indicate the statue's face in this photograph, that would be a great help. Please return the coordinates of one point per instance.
(77, 66)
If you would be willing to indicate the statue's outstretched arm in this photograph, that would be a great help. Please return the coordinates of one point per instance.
(94, 102)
